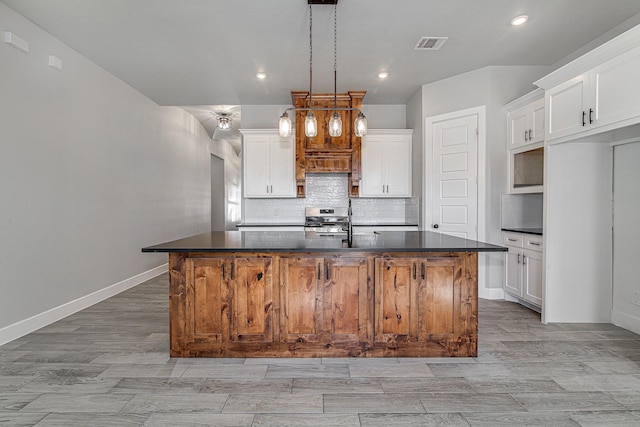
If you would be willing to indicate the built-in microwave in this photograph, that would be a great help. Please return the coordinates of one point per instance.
(526, 172)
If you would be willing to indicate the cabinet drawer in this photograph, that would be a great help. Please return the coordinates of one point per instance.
(513, 240)
(533, 242)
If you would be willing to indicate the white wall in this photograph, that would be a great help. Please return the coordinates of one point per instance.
(415, 121)
(492, 87)
(577, 227)
(90, 172)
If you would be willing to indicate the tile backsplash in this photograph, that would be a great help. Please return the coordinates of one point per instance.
(330, 190)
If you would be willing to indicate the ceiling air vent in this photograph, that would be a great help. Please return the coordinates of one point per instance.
(430, 43)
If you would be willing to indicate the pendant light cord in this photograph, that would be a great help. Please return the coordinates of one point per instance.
(310, 57)
(335, 57)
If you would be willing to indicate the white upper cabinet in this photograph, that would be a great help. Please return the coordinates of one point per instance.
(269, 164)
(526, 125)
(568, 105)
(386, 163)
(597, 92)
(615, 89)
(525, 140)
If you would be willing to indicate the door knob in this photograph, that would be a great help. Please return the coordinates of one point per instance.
(435, 225)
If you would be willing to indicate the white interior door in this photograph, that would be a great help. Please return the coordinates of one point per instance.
(454, 176)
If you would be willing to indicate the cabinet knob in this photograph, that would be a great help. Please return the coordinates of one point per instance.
(435, 226)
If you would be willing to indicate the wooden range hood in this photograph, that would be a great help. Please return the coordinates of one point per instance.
(323, 153)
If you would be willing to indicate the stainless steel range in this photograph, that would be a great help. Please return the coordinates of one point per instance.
(326, 222)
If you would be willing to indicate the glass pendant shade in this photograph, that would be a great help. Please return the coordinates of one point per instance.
(335, 125)
(310, 125)
(360, 125)
(284, 127)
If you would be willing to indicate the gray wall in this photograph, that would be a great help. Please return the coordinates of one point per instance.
(90, 172)
(415, 121)
(492, 87)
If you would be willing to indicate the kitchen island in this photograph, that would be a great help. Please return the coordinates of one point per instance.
(281, 294)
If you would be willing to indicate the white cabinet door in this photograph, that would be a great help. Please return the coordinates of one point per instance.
(513, 283)
(536, 122)
(269, 164)
(256, 166)
(386, 164)
(282, 167)
(398, 168)
(526, 125)
(615, 89)
(566, 106)
(518, 128)
(532, 276)
(373, 179)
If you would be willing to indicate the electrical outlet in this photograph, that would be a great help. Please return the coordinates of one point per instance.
(636, 299)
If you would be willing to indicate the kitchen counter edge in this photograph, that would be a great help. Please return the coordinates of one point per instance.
(293, 241)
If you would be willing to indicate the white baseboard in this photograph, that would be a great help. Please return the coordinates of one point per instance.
(491, 293)
(26, 326)
(626, 321)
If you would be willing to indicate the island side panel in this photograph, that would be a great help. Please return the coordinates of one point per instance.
(177, 302)
(469, 302)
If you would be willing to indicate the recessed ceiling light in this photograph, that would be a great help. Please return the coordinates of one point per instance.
(519, 20)
(383, 75)
(261, 75)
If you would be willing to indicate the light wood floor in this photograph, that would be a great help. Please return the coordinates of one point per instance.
(108, 366)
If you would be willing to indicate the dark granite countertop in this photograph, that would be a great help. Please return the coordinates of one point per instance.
(270, 225)
(295, 241)
(382, 224)
(537, 231)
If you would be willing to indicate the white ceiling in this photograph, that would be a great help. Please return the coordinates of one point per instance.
(197, 52)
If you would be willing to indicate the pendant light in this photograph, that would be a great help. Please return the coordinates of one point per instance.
(335, 124)
(310, 122)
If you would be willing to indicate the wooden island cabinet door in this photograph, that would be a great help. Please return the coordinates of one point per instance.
(347, 314)
(207, 301)
(438, 301)
(301, 296)
(325, 300)
(396, 284)
(251, 293)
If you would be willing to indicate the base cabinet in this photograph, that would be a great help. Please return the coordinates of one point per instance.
(324, 300)
(323, 305)
(523, 274)
(422, 301)
(226, 301)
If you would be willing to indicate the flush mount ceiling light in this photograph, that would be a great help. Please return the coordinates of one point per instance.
(310, 122)
(261, 75)
(383, 75)
(519, 20)
(224, 121)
